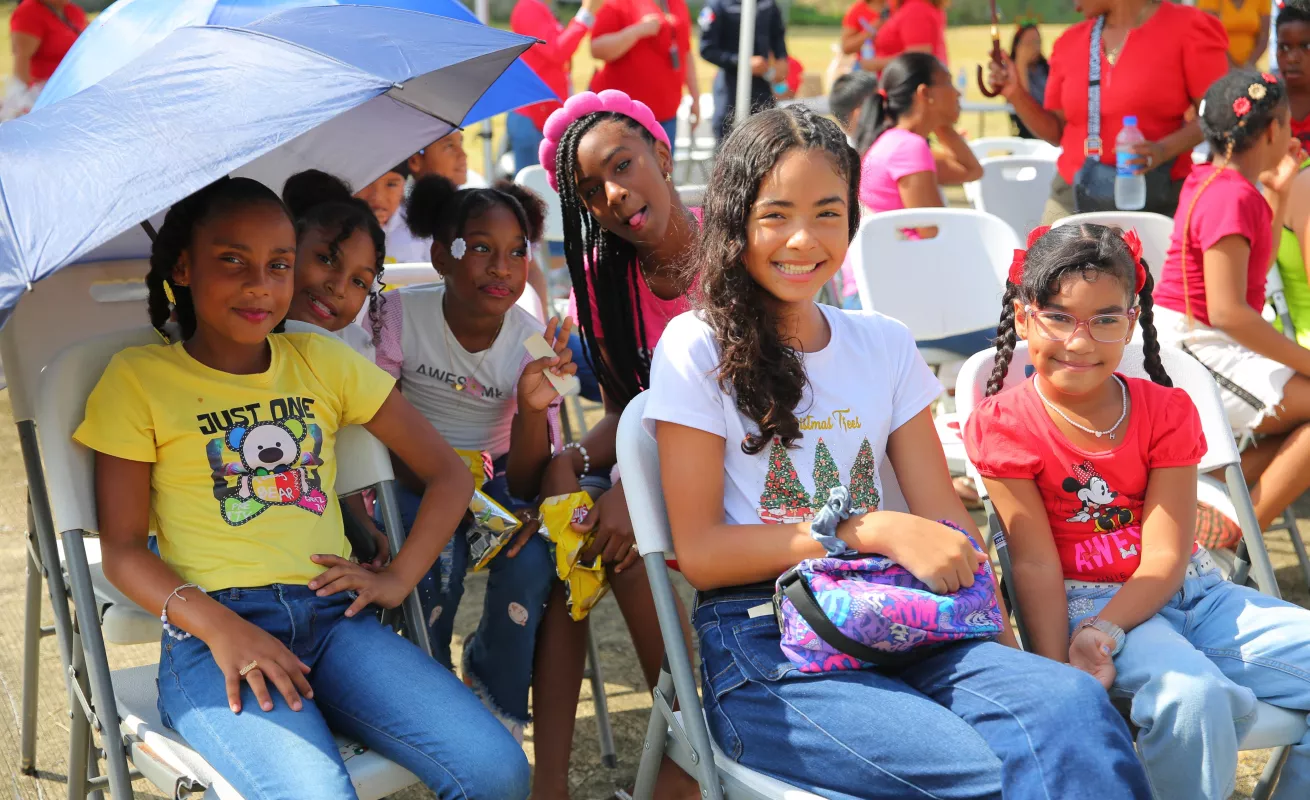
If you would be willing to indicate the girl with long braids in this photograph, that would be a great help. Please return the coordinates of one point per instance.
(627, 238)
(762, 401)
(223, 443)
(1094, 475)
(1212, 289)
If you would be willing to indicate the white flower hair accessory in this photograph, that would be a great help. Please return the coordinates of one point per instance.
(458, 248)
(1200, 110)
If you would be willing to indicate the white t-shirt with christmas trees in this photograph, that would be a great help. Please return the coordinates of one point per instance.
(866, 383)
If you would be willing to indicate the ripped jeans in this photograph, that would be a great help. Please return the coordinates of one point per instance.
(1194, 672)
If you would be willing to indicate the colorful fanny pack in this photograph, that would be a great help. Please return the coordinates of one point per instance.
(855, 611)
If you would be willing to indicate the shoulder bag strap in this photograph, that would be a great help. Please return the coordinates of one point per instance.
(1093, 141)
(793, 586)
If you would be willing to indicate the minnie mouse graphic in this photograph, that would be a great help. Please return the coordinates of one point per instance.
(1096, 497)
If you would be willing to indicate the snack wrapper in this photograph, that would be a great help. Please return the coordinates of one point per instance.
(477, 462)
(585, 584)
(491, 529)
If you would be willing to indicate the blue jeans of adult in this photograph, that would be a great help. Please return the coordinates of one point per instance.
(369, 684)
(670, 127)
(1194, 672)
(498, 657)
(966, 722)
(524, 139)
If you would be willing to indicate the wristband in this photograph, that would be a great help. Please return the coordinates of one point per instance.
(170, 629)
(823, 528)
(1104, 626)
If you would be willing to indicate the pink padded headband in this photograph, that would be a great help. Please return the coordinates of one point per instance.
(584, 103)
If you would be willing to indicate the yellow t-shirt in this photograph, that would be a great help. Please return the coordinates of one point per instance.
(242, 488)
(1242, 24)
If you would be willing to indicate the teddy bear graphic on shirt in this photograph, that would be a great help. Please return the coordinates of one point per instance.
(266, 464)
(1097, 500)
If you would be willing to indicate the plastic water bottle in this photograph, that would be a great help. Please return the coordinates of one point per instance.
(962, 81)
(1129, 185)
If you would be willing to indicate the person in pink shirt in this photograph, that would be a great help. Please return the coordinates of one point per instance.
(552, 59)
(899, 169)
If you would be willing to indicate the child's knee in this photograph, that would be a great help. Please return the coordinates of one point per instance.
(1190, 702)
(497, 771)
(1076, 697)
(532, 571)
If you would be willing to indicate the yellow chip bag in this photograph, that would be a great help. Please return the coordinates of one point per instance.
(585, 584)
(476, 461)
(491, 529)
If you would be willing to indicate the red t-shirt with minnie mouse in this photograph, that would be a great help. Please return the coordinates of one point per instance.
(1094, 501)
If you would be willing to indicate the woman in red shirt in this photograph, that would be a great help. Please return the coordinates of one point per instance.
(646, 47)
(552, 59)
(916, 26)
(40, 33)
(1157, 60)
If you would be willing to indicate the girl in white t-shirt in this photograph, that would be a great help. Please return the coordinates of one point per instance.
(762, 401)
(457, 350)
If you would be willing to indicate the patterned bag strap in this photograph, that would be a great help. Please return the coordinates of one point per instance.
(1093, 140)
(795, 588)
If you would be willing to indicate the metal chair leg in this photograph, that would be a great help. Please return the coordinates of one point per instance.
(1298, 544)
(79, 727)
(31, 652)
(608, 755)
(657, 733)
(1269, 778)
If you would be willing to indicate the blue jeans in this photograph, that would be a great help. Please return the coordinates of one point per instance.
(586, 375)
(670, 127)
(1194, 672)
(498, 657)
(369, 684)
(962, 723)
(524, 139)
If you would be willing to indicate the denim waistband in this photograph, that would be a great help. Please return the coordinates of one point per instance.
(288, 591)
(1201, 563)
(750, 591)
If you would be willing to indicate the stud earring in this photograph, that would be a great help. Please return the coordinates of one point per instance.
(668, 177)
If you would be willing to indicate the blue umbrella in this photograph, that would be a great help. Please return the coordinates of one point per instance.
(348, 89)
(130, 27)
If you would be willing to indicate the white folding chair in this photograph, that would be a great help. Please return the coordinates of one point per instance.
(993, 146)
(1014, 188)
(693, 149)
(682, 735)
(1274, 727)
(1155, 231)
(122, 704)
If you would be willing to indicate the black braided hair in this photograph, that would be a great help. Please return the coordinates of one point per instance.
(174, 237)
(319, 201)
(762, 371)
(1087, 251)
(897, 88)
(623, 366)
(1292, 11)
(437, 209)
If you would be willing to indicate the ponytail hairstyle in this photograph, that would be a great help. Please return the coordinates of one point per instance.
(439, 210)
(623, 366)
(757, 367)
(1074, 251)
(323, 202)
(897, 89)
(174, 237)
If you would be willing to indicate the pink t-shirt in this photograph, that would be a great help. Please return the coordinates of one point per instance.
(655, 312)
(1230, 206)
(894, 155)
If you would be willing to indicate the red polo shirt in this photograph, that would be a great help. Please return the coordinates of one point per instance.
(552, 57)
(1164, 67)
(646, 71)
(56, 33)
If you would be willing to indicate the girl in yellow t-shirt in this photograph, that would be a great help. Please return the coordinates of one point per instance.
(1247, 24)
(225, 440)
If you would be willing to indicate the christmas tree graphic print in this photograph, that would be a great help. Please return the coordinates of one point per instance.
(784, 498)
(864, 480)
(826, 476)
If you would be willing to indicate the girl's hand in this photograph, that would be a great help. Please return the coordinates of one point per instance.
(1279, 179)
(372, 587)
(534, 390)
(237, 644)
(1004, 77)
(531, 524)
(613, 539)
(941, 557)
(1090, 652)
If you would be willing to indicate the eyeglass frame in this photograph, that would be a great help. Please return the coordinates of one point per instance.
(1131, 315)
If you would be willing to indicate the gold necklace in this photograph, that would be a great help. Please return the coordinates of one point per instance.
(460, 383)
(1111, 56)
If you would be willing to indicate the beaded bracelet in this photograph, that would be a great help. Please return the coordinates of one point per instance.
(586, 459)
(172, 630)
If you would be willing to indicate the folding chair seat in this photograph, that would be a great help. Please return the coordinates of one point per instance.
(1274, 727)
(682, 735)
(130, 696)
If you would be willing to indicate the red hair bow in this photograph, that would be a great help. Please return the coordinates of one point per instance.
(1020, 256)
(1135, 248)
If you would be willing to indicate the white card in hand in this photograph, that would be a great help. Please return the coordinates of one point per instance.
(538, 347)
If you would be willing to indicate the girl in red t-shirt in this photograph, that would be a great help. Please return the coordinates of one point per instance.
(1212, 289)
(1094, 476)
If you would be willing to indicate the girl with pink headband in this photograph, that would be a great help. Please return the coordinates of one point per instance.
(627, 237)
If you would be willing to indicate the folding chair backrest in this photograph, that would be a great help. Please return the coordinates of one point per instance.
(640, 458)
(1015, 189)
(994, 146)
(964, 264)
(75, 303)
(1155, 231)
(1186, 372)
(534, 178)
